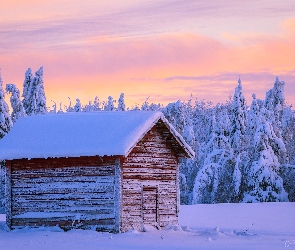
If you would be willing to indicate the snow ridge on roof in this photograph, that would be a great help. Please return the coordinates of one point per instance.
(79, 134)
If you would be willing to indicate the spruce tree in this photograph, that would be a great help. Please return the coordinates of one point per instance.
(121, 103)
(16, 104)
(39, 93)
(275, 101)
(27, 91)
(188, 167)
(78, 106)
(264, 182)
(96, 104)
(34, 101)
(5, 119)
(238, 119)
(213, 183)
(110, 105)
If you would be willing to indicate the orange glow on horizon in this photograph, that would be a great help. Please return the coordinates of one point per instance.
(166, 67)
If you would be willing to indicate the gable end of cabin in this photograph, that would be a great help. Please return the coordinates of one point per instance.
(150, 180)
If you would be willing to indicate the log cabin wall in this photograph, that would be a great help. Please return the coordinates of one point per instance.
(149, 183)
(69, 192)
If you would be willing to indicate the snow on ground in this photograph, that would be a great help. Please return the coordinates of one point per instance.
(218, 226)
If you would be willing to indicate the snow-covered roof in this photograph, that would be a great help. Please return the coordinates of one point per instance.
(81, 134)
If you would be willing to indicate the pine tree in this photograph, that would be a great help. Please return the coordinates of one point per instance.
(275, 101)
(78, 106)
(253, 117)
(275, 106)
(288, 125)
(27, 91)
(16, 104)
(96, 104)
(5, 119)
(121, 103)
(39, 93)
(145, 105)
(213, 183)
(264, 182)
(175, 114)
(110, 105)
(188, 167)
(238, 119)
(34, 101)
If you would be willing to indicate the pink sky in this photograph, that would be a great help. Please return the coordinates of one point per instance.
(167, 50)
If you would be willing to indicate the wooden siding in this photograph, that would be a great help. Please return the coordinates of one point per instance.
(149, 182)
(8, 194)
(71, 193)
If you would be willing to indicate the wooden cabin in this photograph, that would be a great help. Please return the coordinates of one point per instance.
(109, 171)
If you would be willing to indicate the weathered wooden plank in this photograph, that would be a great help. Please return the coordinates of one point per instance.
(66, 182)
(131, 201)
(8, 195)
(150, 176)
(63, 162)
(154, 165)
(166, 206)
(85, 189)
(144, 149)
(74, 172)
(66, 222)
(68, 169)
(139, 171)
(97, 203)
(132, 207)
(118, 196)
(152, 160)
(83, 210)
(77, 210)
(69, 196)
(154, 154)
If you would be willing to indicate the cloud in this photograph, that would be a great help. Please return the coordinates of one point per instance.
(43, 24)
(131, 50)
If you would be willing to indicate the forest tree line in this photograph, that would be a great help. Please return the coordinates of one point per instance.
(244, 153)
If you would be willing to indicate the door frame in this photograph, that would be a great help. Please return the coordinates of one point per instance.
(150, 187)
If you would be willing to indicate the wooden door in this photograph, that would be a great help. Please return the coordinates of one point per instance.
(150, 205)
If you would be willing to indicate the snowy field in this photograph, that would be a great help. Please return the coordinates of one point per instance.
(220, 226)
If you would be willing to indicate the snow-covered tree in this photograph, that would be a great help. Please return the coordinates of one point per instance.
(264, 182)
(188, 167)
(78, 106)
(39, 93)
(34, 101)
(88, 107)
(145, 105)
(189, 134)
(121, 103)
(16, 104)
(213, 183)
(253, 117)
(5, 119)
(275, 100)
(54, 108)
(96, 104)
(175, 114)
(238, 119)
(27, 91)
(110, 105)
(288, 176)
